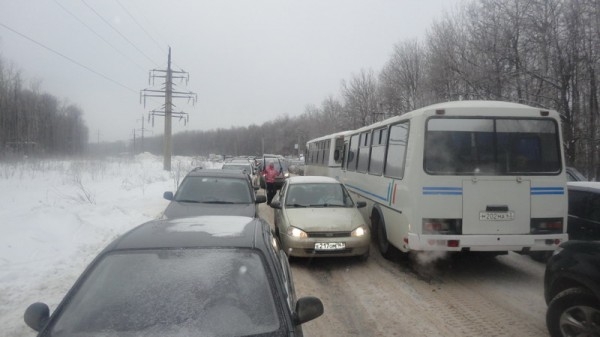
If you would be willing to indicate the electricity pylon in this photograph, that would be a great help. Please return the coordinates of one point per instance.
(167, 109)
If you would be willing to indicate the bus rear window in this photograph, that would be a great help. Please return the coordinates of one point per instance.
(467, 146)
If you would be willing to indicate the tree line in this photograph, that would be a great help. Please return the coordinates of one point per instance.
(36, 123)
(543, 53)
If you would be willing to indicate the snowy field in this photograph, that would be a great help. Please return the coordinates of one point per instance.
(57, 215)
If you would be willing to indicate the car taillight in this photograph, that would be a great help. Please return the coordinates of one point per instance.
(442, 226)
(546, 225)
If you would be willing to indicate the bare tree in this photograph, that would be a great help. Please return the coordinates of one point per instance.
(360, 95)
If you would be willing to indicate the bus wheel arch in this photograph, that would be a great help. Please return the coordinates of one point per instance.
(384, 246)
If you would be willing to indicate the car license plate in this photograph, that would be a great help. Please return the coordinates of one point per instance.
(329, 245)
(496, 216)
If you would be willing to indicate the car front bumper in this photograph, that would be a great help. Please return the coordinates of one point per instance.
(305, 247)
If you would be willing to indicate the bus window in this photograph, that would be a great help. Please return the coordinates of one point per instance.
(394, 164)
(378, 151)
(491, 146)
(352, 153)
(363, 152)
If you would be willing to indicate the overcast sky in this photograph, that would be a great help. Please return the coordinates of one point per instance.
(249, 61)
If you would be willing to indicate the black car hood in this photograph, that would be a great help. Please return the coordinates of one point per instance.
(186, 209)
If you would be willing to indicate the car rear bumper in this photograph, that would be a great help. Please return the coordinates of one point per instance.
(482, 243)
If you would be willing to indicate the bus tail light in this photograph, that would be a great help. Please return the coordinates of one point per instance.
(442, 226)
(547, 225)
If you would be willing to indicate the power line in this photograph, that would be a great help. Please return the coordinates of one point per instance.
(139, 25)
(116, 30)
(98, 35)
(68, 58)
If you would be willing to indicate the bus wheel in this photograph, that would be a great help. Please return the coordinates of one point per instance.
(385, 248)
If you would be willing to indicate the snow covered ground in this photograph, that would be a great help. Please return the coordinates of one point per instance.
(55, 216)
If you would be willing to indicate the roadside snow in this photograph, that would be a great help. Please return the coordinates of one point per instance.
(57, 215)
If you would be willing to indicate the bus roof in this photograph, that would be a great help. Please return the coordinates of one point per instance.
(467, 107)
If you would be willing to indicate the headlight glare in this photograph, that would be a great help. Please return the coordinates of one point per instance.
(296, 233)
(360, 231)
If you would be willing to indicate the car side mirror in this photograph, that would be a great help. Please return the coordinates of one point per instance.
(307, 309)
(275, 204)
(256, 188)
(168, 195)
(260, 199)
(37, 315)
(361, 204)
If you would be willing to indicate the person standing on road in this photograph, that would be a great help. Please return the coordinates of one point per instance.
(270, 174)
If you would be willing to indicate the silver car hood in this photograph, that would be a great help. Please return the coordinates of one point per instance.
(324, 218)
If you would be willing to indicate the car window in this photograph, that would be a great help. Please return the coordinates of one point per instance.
(238, 167)
(214, 190)
(577, 203)
(318, 194)
(174, 293)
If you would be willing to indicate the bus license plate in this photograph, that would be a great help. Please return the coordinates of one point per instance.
(496, 216)
(329, 245)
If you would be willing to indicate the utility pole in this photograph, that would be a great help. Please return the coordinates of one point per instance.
(168, 93)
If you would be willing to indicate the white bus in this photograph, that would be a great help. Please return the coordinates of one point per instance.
(461, 176)
(324, 155)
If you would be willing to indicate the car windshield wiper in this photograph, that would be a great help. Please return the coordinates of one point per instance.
(296, 205)
(332, 205)
(185, 200)
(217, 202)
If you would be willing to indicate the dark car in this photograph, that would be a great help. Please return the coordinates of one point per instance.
(572, 290)
(213, 192)
(584, 210)
(281, 166)
(202, 276)
(574, 175)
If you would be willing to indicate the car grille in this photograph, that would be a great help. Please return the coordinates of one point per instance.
(328, 234)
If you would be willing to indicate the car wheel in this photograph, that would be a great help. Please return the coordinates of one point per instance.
(385, 248)
(574, 312)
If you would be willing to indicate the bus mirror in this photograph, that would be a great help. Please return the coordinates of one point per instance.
(336, 155)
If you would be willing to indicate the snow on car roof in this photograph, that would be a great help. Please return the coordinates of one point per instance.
(592, 186)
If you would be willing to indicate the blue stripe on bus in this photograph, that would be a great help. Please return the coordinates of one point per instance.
(442, 190)
(366, 192)
(547, 190)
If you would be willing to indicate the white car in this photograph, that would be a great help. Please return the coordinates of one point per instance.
(315, 216)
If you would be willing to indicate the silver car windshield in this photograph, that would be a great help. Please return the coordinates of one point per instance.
(184, 292)
(318, 195)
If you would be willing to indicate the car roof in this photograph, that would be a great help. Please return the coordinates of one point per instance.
(217, 173)
(590, 186)
(312, 179)
(192, 232)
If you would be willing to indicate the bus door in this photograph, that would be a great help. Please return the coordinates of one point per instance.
(496, 206)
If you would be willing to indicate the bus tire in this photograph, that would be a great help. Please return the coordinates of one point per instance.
(387, 250)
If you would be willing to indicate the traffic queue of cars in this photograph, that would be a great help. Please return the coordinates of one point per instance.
(210, 255)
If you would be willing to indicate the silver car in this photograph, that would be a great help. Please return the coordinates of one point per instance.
(315, 216)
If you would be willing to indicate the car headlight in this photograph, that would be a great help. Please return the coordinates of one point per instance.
(296, 233)
(360, 231)
(286, 175)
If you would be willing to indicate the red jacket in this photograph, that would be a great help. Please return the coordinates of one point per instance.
(270, 174)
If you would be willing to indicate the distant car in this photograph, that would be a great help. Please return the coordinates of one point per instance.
(315, 216)
(213, 192)
(574, 175)
(281, 165)
(297, 167)
(572, 290)
(202, 276)
(244, 166)
(584, 210)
